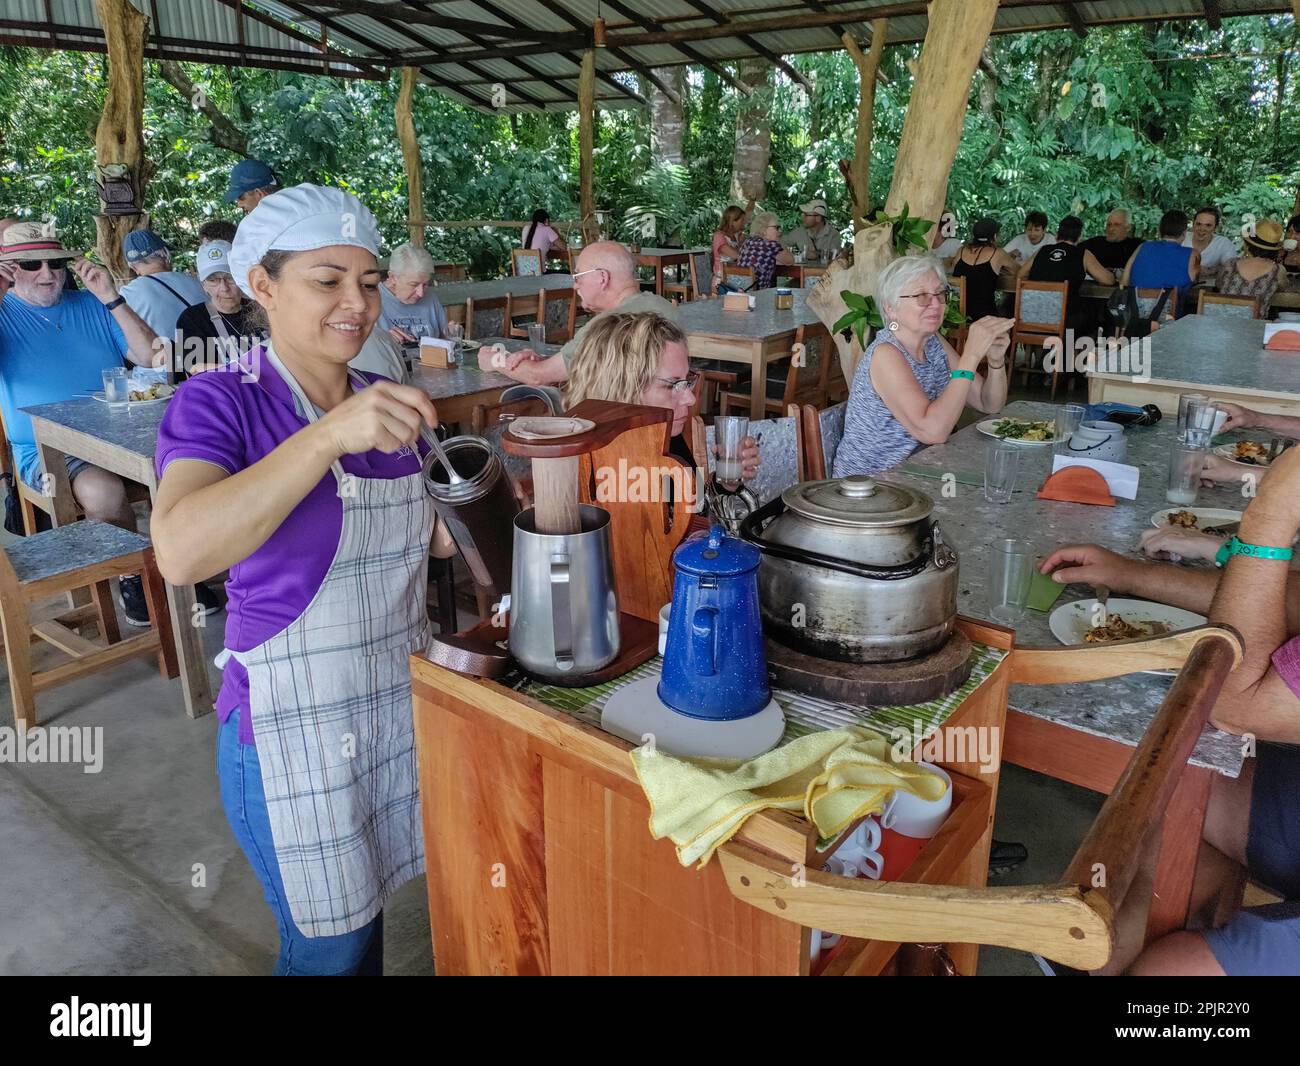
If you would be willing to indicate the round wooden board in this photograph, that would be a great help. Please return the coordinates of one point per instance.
(876, 685)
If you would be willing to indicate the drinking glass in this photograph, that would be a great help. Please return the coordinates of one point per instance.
(1000, 464)
(729, 433)
(536, 336)
(1202, 420)
(116, 387)
(1183, 401)
(1185, 464)
(1011, 571)
(1069, 416)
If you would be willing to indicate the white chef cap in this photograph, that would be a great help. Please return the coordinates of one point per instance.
(301, 218)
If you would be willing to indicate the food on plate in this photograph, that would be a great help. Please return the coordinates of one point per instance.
(1181, 519)
(1251, 451)
(156, 391)
(1024, 429)
(1116, 628)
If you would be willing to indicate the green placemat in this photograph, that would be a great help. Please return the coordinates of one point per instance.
(1043, 592)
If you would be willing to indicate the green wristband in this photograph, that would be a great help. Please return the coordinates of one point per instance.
(969, 375)
(1233, 546)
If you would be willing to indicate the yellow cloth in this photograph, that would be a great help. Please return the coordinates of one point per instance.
(831, 777)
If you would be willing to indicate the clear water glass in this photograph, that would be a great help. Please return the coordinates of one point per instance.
(1001, 462)
(1185, 464)
(1011, 572)
(1202, 417)
(536, 336)
(1183, 400)
(729, 433)
(1069, 417)
(116, 386)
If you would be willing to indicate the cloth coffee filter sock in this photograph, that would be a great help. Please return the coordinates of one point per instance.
(832, 778)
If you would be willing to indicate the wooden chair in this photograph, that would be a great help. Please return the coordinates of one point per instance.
(738, 277)
(83, 555)
(811, 274)
(958, 336)
(821, 432)
(488, 316)
(526, 262)
(558, 310)
(803, 378)
(1040, 315)
(1072, 921)
(1213, 303)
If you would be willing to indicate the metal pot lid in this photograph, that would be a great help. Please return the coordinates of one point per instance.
(715, 554)
(859, 500)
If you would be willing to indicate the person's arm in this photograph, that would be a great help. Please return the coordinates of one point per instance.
(784, 257)
(1252, 598)
(1005, 264)
(1194, 265)
(1244, 418)
(989, 392)
(141, 348)
(1095, 270)
(6, 278)
(1127, 272)
(559, 246)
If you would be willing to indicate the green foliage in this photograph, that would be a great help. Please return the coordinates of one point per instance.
(1148, 117)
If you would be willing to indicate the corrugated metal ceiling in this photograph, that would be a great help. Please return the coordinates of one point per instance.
(288, 32)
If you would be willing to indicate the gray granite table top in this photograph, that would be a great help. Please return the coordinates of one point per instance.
(1120, 708)
(467, 378)
(454, 294)
(660, 253)
(708, 317)
(1222, 351)
(133, 429)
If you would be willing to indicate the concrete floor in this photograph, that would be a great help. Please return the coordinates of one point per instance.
(133, 870)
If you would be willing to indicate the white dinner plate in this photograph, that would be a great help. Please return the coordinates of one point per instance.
(1205, 516)
(1229, 452)
(135, 403)
(986, 427)
(1070, 622)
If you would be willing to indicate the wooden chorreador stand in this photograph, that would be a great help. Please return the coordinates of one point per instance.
(540, 860)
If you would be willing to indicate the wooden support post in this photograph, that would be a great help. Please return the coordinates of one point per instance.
(119, 137)
(586, 140)
(411, 156)
(957, 32)
(1295, 7)
(868, 67)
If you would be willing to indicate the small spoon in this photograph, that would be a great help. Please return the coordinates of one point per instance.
(434, 443)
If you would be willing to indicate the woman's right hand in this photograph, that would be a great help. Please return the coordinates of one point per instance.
(383, 417)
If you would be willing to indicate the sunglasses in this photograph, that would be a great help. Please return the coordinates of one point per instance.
(33, 266)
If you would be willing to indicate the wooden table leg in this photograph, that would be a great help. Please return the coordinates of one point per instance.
(757, 384)
(1180, 842)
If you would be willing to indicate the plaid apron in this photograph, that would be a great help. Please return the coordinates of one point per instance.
(330, 699)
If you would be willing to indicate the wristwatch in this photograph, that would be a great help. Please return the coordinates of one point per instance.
(1234, 546)
(115, 304)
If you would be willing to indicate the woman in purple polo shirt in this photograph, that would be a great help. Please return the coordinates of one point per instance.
(303, 479)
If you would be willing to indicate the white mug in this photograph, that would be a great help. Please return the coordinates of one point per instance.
(861, 852)
(914, 817)
(664, 612)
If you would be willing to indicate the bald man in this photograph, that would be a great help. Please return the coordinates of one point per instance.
(1115, 248)
(605, 281)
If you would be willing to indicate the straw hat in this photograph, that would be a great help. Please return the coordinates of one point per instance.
(31, 240)
(1267, 239)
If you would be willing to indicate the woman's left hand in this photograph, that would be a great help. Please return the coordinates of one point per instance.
(749, 458)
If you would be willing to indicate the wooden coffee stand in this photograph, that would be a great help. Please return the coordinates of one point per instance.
(540, 860)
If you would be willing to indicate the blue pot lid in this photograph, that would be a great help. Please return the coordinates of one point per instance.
(715, 553)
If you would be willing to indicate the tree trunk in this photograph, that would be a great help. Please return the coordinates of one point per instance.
(868, 67)
(957, 33)
(411, 156)
(667, 127)
(753, 132)
(586, 140)
(119, 138)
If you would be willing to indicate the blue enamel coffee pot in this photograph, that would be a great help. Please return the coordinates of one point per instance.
(714, 665)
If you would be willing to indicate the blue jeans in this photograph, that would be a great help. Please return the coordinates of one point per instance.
(356, 954)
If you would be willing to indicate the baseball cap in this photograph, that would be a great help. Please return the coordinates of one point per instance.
(249, 174)
(141, 244)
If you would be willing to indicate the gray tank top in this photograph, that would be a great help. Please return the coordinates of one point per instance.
(874, 440)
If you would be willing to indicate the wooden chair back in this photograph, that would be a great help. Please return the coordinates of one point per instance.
(738, 277)
(526, 262)
(701, 267)
(1214, 303)
(1073, 921)
(488, 316)
(821, 431)
(558, 310)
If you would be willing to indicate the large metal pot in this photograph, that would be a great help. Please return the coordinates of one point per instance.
(854, 569)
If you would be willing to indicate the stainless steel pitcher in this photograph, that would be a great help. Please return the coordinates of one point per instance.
(563, 606)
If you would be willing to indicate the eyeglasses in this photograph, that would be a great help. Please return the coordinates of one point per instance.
(33, 266)
(593, 270)
(678, 385)
(925, 299)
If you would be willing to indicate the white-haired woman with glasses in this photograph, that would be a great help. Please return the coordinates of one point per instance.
(911, 386)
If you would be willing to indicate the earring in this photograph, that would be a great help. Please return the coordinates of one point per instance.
(893, 327)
